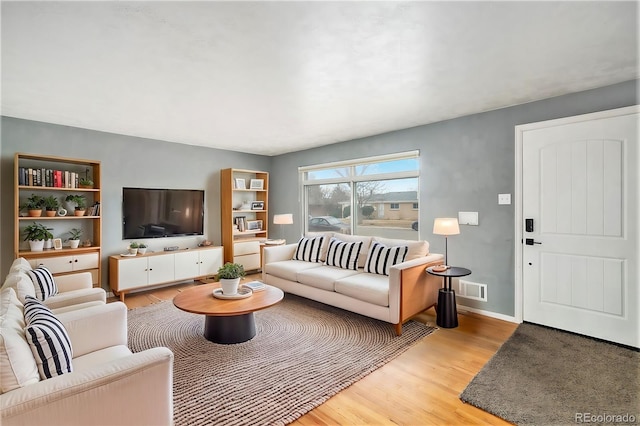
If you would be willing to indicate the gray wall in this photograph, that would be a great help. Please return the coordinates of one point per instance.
(125, 161)
(465, 163)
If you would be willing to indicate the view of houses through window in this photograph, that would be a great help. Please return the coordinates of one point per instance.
(371, 196)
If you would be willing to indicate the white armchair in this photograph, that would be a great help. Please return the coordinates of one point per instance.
(74, 291)
(109, 384)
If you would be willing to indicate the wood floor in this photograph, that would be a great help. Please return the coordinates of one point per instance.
(420, 387)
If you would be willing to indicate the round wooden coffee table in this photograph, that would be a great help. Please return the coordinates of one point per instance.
(226, 320)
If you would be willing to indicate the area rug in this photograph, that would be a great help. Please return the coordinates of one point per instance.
(542, 376)
(304, 352)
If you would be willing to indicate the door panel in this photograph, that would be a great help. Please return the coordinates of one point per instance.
(580, 185)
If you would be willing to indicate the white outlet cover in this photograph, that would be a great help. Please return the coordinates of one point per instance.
(468, 218)
(504, 198)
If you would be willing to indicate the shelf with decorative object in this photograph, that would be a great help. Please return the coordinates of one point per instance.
(51, 180)
(244, 208)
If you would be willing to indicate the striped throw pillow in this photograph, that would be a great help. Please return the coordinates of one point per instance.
(381, 258)
(43, 283)
(48, 339)
(342, 254)
(309, 249)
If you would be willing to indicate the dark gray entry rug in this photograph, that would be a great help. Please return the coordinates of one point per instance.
(304, 352)
(542, 376)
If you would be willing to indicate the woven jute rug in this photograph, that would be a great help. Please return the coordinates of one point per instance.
(542, 376)
(304, 352)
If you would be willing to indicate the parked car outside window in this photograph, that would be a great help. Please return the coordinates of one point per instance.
(328, 224)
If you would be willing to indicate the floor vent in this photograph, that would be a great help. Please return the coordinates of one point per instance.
(471, 290)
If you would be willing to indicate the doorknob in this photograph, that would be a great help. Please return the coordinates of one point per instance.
(530, 242)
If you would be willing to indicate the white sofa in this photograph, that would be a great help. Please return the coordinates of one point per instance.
(109, 385)
(74, 291)
(406, 291)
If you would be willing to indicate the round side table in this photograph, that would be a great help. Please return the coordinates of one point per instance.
(446, 311)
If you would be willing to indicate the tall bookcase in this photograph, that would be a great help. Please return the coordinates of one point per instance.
(65, 260)
(244, 215)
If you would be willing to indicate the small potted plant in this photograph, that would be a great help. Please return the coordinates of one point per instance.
(34, 205)
(229, 276)
(51, 205)
(74, 239)
(142, 248)
(80, 201)
(133, 248)
(85, 183)
(36, 234)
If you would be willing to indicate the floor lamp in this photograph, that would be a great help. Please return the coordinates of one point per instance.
(446, 226)
(282, 219)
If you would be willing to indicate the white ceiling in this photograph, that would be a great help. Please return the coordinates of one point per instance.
(274, 77)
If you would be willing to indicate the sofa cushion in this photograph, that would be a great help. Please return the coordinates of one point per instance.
(21, 284)
(309, 249)
(366, 243)
(43, 283)
(76, 297)
(288, 269)
(49, 340)
(20, 265)
(381, 258)
(95, 358)
(324, 277)
(370, 288)
(417, 249)
(17, 365)
(343, 254)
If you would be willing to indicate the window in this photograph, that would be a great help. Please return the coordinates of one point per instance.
(370, 196)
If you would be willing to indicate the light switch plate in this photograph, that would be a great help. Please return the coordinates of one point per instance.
(504, 198)
(468, 218)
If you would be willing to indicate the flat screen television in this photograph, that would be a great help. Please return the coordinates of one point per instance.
(158, 213)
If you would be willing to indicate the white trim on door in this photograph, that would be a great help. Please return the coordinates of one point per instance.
(519, 131)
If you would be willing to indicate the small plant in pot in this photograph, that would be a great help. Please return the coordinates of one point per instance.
(133, 248)
(51, 205)
(229, 276)
(36, 234)
(142, 248)
(80, 201)
(33, 205)
(74, 239)
(85, 183)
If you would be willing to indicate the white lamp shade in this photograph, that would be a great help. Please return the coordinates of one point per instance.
(283, 219)
(446, 226)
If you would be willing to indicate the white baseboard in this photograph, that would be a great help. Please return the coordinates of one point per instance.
(496, 315)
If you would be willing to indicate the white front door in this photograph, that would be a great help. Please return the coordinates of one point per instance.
(580, 188)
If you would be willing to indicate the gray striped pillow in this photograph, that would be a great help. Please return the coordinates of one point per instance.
(381, 258)
(43, 283)
(48, 339)
(342, 254)
(309, 249)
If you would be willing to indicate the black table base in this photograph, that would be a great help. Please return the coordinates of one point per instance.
(446, 312)
(231, 329)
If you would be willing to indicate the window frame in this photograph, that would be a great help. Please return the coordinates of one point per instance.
(352, 179)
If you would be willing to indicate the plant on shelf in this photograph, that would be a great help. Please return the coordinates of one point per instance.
(133, 248)
(51, 205)
(36, 234)
(85, 183)
(229, 276)
(33, 205)
(142, 248)
(74, 239)
(80, 201)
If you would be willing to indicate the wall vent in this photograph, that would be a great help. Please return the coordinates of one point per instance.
(471, 290)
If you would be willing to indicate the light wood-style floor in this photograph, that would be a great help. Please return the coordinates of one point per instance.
(420, 387)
